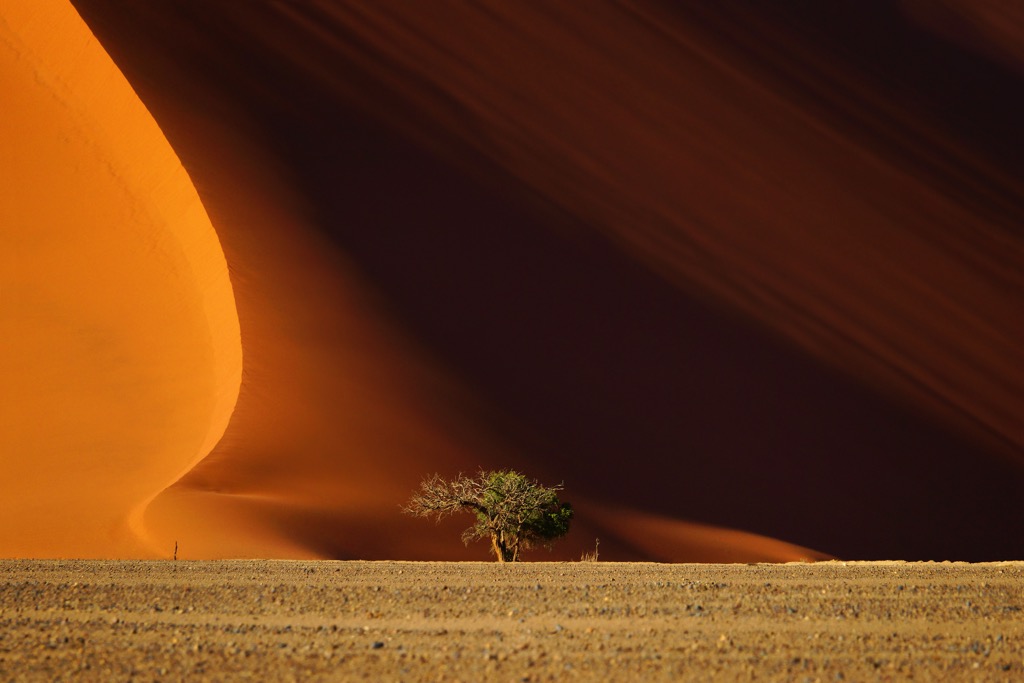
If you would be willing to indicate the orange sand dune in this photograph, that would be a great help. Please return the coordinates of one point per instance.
(122, 326)
(119, 342)
(717, 267)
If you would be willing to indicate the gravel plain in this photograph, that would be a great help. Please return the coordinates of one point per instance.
(424, 621)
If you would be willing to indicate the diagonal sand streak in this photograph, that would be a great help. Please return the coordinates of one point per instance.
(816, 247)
(119, 340)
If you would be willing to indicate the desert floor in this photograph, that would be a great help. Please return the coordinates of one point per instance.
(297, 620)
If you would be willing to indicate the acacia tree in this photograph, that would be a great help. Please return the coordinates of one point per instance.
(515, 512)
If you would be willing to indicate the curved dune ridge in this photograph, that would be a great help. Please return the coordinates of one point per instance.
(121, 357)
(734, 275)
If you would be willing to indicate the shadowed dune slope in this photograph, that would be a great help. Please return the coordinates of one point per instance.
(120, 356)
(748, 269)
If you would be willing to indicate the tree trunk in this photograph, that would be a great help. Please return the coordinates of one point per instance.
(499, 551)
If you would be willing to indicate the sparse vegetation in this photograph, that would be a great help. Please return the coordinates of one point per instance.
(516, 513)
(591, 557)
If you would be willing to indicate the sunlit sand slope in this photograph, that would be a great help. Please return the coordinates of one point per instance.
(120, 357)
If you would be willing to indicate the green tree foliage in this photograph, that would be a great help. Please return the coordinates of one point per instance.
(516, 513)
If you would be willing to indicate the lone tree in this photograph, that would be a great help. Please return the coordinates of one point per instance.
(515, 512)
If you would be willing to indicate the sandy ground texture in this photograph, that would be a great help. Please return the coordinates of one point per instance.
(294, 620)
